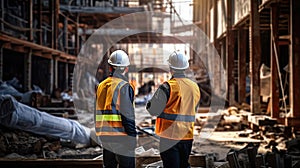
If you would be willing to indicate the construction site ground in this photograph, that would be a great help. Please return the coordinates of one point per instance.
(220, 143)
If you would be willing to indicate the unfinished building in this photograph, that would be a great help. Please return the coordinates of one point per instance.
(257, 44)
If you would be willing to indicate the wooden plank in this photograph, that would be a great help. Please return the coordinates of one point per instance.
(18, 42)
(255, 60)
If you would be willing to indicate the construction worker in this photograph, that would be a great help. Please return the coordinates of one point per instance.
(115, 120)
(174, 103)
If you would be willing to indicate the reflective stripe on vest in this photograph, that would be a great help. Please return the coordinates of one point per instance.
(177, 117)
(108, 118)
(177, 120)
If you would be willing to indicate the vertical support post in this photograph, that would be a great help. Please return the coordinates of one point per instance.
(55, 25)
(40, 20)
(242, 73)
(230, 42)
(67, 75)
(27, 70)
(51, 70)
(215, 4)
(294, 61)
(274, 71)
(55, 71)
(77, 35)
(2, 15)
(51, 17)
(54, 8)
(1, 62)
(255, 54)
(30, 20)
(66, 33)
(217, 66)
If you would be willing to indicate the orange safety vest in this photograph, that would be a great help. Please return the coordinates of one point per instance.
(108, 118)
(177, 120)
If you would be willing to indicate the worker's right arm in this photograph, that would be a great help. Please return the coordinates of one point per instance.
(158, 102)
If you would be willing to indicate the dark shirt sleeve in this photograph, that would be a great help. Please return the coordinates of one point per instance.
(127, 109)
(158, 102)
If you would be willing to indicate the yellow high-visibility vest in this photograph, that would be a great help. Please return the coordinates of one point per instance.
(178, 118)
(108, 118)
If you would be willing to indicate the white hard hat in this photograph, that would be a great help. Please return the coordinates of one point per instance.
(178, 61)
(118, 58)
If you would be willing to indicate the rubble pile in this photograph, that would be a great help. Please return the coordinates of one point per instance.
(17, 144)
(275, 158)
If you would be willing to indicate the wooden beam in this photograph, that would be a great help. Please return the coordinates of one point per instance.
(40, 20)
(65, 34)
(294, 60)
(2, 15)
(55, 71)
(30, 20)
(77, 39)
(255, 57)
(51, 70)
(67, 75)
(22, 46)
(242, 70)
(27, 70)
(230, 46)
(1, 62)
(274, 70)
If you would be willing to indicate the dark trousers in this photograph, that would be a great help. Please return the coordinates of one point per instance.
(116, 154)
(177, 155)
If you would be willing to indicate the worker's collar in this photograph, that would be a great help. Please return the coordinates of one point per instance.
(179, 74)
(116, 74)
